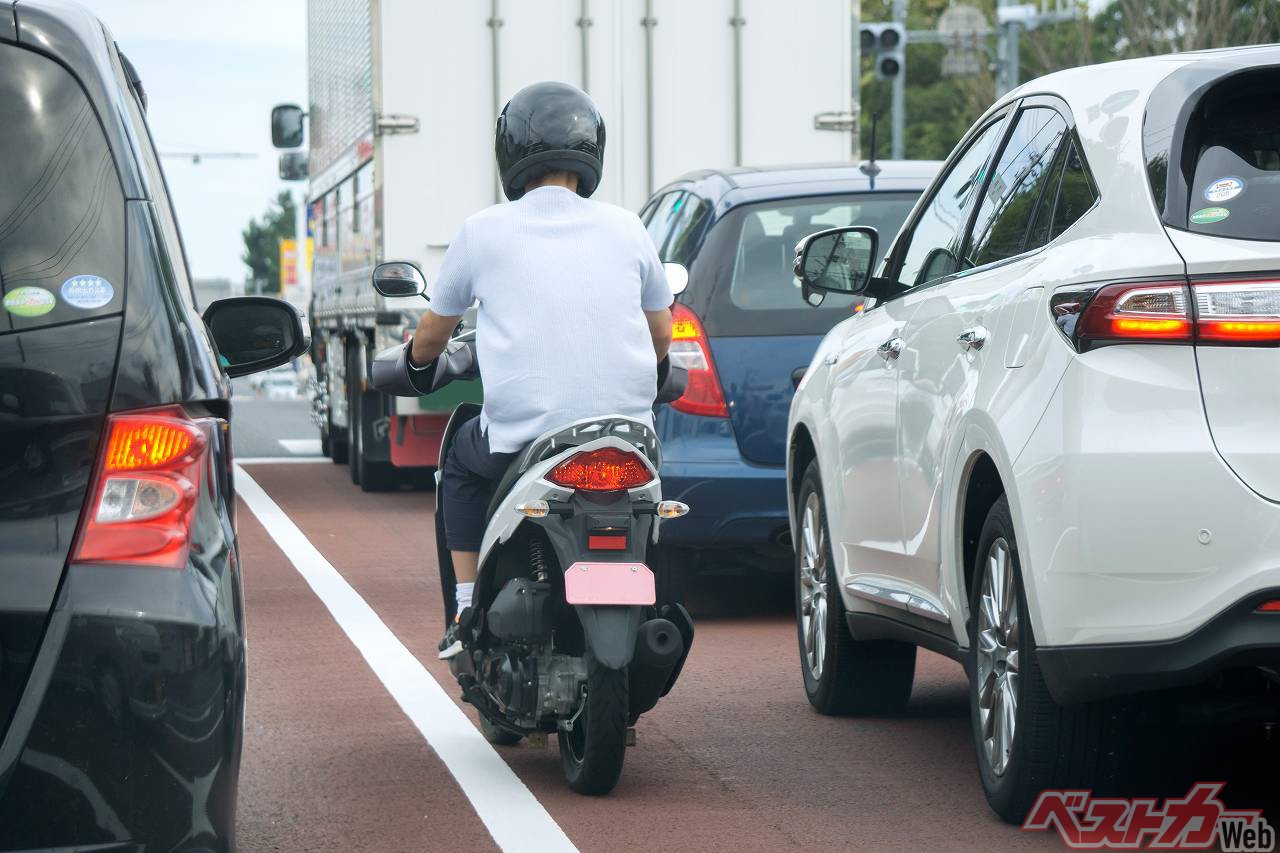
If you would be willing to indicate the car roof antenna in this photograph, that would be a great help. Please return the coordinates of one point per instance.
(869, 167)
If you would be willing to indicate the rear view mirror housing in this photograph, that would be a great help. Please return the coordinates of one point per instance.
(399, 278)
(677, 277)
(837, 260)
(254, 333)
(293, 165)
(287, 125)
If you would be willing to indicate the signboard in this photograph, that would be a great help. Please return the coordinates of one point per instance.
(288, 265)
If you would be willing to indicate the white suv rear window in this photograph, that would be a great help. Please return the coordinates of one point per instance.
(1235, 191)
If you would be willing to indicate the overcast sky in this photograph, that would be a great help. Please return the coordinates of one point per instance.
(212, 70)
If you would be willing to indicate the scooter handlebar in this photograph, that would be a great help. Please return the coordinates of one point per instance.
(393, 373)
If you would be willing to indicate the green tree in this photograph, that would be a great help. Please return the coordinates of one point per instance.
(262, 241)
(940, 109)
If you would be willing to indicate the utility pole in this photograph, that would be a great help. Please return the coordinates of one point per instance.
(1012, 18)
(855, 106)
(899, 105)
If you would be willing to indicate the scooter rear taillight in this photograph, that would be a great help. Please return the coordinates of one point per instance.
(607, 469)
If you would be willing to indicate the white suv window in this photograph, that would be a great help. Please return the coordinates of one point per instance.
(1018, 183)
(934, 246)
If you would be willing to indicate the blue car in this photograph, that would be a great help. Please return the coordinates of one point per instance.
(746, 336)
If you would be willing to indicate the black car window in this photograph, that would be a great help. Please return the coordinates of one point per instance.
(1018, 182)
(1236, 142)
(762, 282)
(663, 218)
(173, 248)
(932, 248)
(691, 215)
(61, 205)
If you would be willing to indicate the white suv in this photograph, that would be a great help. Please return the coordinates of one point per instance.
(1051, 449)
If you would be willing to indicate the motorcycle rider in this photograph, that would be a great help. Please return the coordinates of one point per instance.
(574, 308)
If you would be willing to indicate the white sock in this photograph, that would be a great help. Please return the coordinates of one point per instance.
(462, 594)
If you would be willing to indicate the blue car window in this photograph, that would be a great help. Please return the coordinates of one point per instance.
(762, 277)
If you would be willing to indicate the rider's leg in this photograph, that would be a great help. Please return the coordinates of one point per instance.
(470, 476)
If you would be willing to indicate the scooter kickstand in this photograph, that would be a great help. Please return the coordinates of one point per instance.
(630, 737)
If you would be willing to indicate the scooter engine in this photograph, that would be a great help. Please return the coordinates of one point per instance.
(511, 679)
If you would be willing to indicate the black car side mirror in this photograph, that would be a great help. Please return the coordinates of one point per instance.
(286, 125)
(837, 260)
(254, 333)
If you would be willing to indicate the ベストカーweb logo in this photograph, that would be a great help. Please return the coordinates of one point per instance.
(1198, 821)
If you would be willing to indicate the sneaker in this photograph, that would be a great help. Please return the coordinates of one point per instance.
(450, 645)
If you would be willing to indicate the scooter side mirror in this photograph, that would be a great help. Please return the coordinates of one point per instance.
(677, 278)
(399, 278)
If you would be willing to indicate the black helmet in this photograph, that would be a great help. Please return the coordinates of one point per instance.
(549, 127)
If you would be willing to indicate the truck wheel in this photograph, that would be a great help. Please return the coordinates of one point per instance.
(369, 476)
(592, 754)
(338, 447)
(841, 675)
(355, 417)
(1026, 742)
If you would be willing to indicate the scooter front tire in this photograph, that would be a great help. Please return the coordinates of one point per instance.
(592, 754)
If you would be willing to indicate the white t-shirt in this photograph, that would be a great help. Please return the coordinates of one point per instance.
(562, 283)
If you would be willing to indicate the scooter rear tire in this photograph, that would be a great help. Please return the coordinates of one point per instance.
(592, 754)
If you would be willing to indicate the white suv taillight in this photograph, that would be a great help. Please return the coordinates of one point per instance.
(1237, 312)
(1210, 312)
(142, 504)
(1139, 312)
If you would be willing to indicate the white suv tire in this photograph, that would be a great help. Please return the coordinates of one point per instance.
(1092, 745)
(842, 676)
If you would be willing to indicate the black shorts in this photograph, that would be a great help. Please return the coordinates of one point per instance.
(470, 476)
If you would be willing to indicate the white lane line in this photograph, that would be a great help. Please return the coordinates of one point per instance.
(280, 460)
(508, 809)
(301, 446)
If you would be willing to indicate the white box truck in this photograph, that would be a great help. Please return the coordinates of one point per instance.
(403, 95)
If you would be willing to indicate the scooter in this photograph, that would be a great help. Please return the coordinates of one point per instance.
(565, 633)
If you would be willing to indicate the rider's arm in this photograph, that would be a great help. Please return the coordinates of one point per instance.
(430, 337)
(660, 330)
(451, 296)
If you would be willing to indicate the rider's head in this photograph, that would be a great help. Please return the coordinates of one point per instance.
(549, 128)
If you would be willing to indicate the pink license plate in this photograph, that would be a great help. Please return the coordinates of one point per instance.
(609, 583)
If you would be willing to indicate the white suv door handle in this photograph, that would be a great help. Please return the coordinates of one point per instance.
(972, 339)
(891, 349)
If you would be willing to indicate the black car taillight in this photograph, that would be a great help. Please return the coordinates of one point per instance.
(143, 500)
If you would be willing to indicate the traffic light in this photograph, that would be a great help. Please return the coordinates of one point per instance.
(885, 43)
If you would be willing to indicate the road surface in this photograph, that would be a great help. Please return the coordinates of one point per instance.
(354, 731)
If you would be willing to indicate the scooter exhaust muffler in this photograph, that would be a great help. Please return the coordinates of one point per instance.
(659, 647)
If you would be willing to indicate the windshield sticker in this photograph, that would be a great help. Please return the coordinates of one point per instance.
(1209, 215)
(1224, 189)
(29, 301)
(87, 291)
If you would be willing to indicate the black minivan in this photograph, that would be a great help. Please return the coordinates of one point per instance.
(122, 663)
